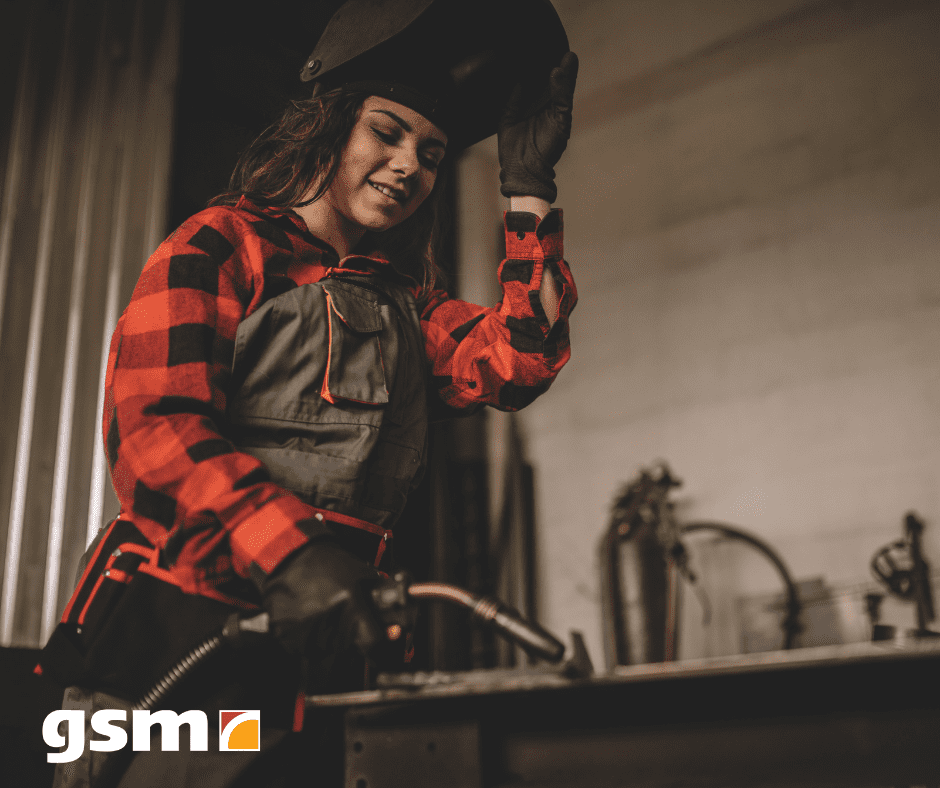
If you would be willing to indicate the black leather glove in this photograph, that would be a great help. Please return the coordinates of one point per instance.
(529, 148)
(320, 603)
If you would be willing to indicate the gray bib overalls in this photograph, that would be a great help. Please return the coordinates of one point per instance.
(329, 383)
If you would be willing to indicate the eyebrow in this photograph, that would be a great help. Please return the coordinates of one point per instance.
(432, 141)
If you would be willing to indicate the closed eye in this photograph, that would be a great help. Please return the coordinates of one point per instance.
(392, 138)
(384, 135)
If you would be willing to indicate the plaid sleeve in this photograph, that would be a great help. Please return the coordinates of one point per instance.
(507, 355)
(212, 508)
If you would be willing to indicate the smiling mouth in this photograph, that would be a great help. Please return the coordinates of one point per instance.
(396, 194)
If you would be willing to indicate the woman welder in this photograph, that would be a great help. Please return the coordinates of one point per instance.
(270, 381)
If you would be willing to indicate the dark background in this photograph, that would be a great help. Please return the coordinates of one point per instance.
(239, 65)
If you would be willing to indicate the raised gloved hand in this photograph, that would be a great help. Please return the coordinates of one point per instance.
(529, 148)
(320, 604)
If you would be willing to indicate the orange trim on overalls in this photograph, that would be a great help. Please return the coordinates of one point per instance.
(362, 525)
(300, 706)
(91, 563)
(117, 575)
(381, 551)
(325, 388)
(151, 568)
(154, 570)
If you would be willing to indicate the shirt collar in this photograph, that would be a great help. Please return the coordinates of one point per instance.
(376, 260)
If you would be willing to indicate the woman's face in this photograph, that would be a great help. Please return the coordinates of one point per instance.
(388, 167)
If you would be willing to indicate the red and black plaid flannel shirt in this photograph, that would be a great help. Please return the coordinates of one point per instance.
(212, 509)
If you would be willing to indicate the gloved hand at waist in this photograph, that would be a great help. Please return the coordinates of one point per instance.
(320, 603)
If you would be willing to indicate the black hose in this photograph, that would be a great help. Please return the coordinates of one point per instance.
(236, 629)
(791, 621)
(116, 763)
(195, 657)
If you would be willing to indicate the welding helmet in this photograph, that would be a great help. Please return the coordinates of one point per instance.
(453, 61)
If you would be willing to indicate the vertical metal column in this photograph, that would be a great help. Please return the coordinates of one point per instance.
(91, 157)
(61, 104)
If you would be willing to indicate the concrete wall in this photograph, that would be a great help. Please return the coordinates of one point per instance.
(752, 197)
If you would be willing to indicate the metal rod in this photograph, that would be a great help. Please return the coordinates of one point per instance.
(22, 115)
(672, 610)
(61, 101)
(443, 591)
(128, 125)
(91, 157)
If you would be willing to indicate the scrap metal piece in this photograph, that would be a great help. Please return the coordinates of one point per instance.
(578, 665)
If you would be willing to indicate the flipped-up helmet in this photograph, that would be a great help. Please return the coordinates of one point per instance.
(453, 61)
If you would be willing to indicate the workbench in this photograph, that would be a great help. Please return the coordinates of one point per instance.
(858, 715)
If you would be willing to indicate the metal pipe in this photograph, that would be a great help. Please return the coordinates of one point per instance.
(37, 315)
(443, 591)
(532, 638)
(83, 232)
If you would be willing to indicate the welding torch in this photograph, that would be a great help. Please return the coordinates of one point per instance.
(395, 593)
(394, 597)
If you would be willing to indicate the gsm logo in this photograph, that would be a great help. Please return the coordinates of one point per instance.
(238, 731)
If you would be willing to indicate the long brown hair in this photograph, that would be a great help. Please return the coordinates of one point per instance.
(303, 149)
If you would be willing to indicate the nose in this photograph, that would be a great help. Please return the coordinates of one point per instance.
(405, 161)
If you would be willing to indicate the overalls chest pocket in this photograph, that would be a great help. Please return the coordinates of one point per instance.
(318, 354)
(355, 367)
